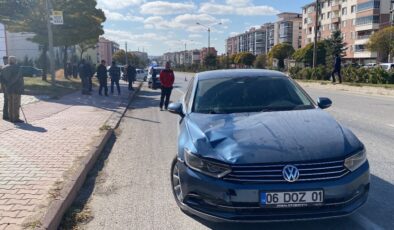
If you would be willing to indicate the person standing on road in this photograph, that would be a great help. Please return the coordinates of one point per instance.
(114, 73)
(102, 76)
(167, 79)
(5, 102)
(14, 87)
(131, 73)
(337, 69)
(84, 74)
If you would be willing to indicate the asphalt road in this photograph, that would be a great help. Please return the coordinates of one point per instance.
(132, 188)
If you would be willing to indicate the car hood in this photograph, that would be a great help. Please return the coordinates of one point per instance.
(268, 137)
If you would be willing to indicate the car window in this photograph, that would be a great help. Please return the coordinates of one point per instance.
(248, 94)
(189, 92)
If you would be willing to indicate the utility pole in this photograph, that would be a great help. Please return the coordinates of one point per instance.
(391, 29)
(317, 8)
(126, 53)
(50, 42)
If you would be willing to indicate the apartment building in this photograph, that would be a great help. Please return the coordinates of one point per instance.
(106, 49)
(287, 29)
(187, 57)
(357, 20)
(256, 41)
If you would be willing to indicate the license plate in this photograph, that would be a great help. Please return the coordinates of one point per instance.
(291, 199)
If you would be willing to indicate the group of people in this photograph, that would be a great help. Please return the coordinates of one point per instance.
(114, 73)
(12, 85)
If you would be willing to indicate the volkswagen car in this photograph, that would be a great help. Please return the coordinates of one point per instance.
(253, 146)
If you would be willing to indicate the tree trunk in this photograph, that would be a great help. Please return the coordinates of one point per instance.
(65, 57)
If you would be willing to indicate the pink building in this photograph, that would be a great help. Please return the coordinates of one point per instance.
(106, 49)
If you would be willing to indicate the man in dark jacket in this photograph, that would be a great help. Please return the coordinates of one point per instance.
(114, 73)
(337, 69)
(5, 105)
(14, 87)
(84, 74)
(131, 73)
(102, 77)
(167, 79)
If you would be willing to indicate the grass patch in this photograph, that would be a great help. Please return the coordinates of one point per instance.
(105, 127)
(356, 84)
(36, 86)
(74, 217)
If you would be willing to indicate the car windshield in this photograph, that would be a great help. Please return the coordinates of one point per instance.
(248, 94)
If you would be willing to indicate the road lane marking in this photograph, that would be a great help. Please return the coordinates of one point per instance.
(366, 223)
(391, 125)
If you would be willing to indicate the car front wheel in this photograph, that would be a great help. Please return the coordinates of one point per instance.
(176, 182)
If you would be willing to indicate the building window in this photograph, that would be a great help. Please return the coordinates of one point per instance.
(367, 20)
(322, 16)
(311, 9)
(344, 11)
(353, 9)
(354, 22)
(344, 36)
(368, 5)
(343, 23)
(329, 3)
(328, 15)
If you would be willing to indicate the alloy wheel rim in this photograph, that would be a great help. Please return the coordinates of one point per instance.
(176, 183)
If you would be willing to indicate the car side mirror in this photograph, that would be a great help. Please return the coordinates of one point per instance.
(176, 108)
(324, 102)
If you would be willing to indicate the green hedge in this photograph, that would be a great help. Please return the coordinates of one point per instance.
(349, 74)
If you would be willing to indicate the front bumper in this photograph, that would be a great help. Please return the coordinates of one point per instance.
(218, 200)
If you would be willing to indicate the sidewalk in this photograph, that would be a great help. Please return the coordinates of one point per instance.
(37, 158)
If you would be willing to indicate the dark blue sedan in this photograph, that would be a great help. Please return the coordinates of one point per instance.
(253, 146)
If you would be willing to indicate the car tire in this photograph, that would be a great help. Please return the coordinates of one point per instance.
(175, 181)
(145, 79)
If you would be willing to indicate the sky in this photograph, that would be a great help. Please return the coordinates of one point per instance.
(163, 26)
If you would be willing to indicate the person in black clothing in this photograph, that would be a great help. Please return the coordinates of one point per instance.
(337, 69)
(102, 77)
(75, 70)
(5, 106)
(90, 78)
(114, 73)
(131, 73)
(84, 74)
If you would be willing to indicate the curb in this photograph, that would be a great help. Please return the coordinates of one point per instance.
(57, 208)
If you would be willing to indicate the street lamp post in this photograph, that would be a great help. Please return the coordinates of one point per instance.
(209, 34)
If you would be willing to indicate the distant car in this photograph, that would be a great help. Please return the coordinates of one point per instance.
(30, 71)
(369, 65)
(387, 66)
(141, 75)
(154, 83)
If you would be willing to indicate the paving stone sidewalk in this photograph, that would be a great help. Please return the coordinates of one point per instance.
(37, 158)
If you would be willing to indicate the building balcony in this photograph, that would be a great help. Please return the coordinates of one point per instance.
(371, 26)
(336, 7)
(364, 53)
(335, 20)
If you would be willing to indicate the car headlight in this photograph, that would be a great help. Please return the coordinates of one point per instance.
(356, 160)
(205, 166)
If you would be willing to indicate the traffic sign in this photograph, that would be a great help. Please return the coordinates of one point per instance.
(57, 17)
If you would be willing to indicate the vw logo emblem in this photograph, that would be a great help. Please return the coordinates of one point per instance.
(290, 173)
